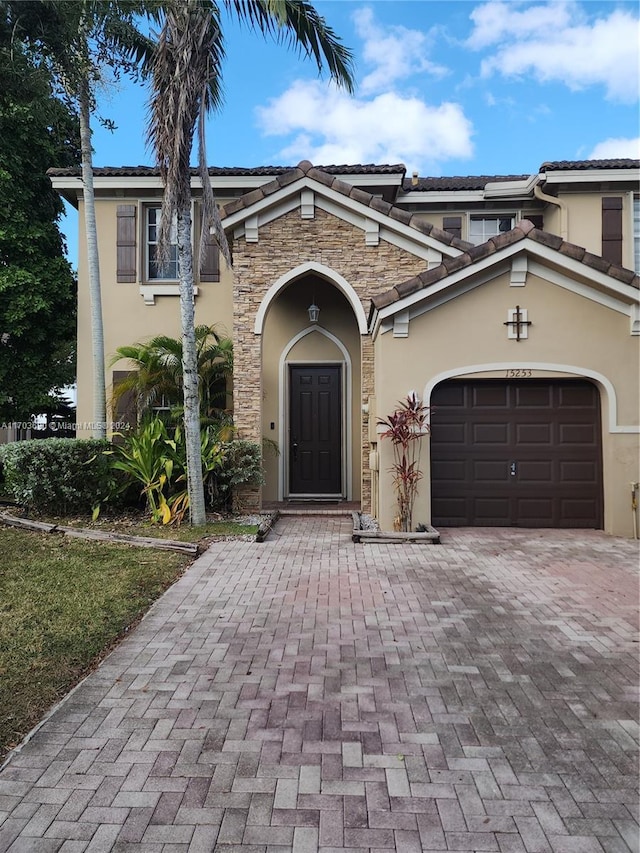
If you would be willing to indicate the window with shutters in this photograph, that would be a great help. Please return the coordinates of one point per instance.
(481, 228)
(155, 272)
(130, 235)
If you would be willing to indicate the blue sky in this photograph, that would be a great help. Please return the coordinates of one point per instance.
(447, 88)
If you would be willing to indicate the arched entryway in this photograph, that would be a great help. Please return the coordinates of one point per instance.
(311, 389)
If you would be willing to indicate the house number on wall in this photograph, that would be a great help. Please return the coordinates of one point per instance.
(519, 373)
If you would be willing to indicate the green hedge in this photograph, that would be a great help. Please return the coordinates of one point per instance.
(56, 475)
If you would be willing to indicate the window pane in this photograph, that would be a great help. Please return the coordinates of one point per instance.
(482, 228)
(154, 271)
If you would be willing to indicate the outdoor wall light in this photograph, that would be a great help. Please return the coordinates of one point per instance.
(314, 312)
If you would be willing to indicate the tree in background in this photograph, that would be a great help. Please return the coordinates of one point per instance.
(37, 285)
(186, 85)
(76, 41)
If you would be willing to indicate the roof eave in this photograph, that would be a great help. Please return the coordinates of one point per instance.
(591, 176)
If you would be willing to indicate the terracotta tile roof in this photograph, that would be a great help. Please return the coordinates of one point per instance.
(323, 177)
(524, 230)
(459, 182)
(222, 171)
(570, 165)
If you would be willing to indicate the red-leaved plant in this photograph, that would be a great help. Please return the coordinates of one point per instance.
(405, 427)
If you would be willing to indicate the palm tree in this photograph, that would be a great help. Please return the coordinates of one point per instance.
(76, 40)
(157, 376)
(185, 86)
(109, 25)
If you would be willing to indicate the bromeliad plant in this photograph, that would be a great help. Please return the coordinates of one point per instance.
(405, 427)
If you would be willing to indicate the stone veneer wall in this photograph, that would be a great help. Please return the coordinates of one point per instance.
(284, 244)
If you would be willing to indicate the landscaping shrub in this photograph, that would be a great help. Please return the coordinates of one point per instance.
(56, 475)
(406, 426)
(156, 461)
(241, 465)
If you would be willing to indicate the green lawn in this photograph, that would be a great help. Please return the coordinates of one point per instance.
(63, 603)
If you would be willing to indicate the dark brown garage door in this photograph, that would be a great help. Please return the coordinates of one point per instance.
(521, 454)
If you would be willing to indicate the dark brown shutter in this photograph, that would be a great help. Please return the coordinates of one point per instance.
(126, 242)
(124, 409)
(452, 225)
(210, 266)
(612, 229)
(536, 220)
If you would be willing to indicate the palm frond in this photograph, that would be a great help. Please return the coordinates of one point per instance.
(297, 23)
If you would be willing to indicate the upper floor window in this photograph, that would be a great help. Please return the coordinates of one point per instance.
(154, 271)
(481, 228)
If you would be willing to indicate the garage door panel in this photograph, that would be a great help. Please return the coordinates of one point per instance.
(533, 434)
(579, 511)
(491, 511)
(536, 470)
(454, 510)
(571, 396)
(577, 434)
(583, 471)
(490, 470)
(452, 395)
(496, 433)
(535, 512)
(489, 395)
(449, 433)
(449, 470)
(533, 396)
(547, 433)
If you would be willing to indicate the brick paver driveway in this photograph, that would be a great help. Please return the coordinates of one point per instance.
(311, 694)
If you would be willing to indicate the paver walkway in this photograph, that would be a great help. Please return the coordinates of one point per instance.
(311, 694)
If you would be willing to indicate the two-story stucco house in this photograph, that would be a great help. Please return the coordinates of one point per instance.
(508, 303)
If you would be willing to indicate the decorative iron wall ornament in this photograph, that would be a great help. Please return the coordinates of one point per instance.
(517, 324)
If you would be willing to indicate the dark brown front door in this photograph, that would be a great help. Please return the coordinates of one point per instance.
(315, 435)
(521, 454)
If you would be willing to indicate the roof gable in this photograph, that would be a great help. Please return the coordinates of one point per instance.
(307, 186)
(552, 257)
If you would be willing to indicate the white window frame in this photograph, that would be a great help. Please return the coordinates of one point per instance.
(147, 209)
(489, 217)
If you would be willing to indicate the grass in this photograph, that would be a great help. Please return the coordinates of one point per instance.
(63, 603)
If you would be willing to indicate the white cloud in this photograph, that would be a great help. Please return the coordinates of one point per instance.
(616, 148)
(498, 21)
(557, 42)
(329, 127)
(383, 123)
(395, 52)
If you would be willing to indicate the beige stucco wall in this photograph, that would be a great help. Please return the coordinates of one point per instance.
(126, 318)
(567, 329)
(284, 244)
(584, 221)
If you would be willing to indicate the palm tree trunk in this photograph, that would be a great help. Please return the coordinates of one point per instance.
(99, 428)
(195, 486)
